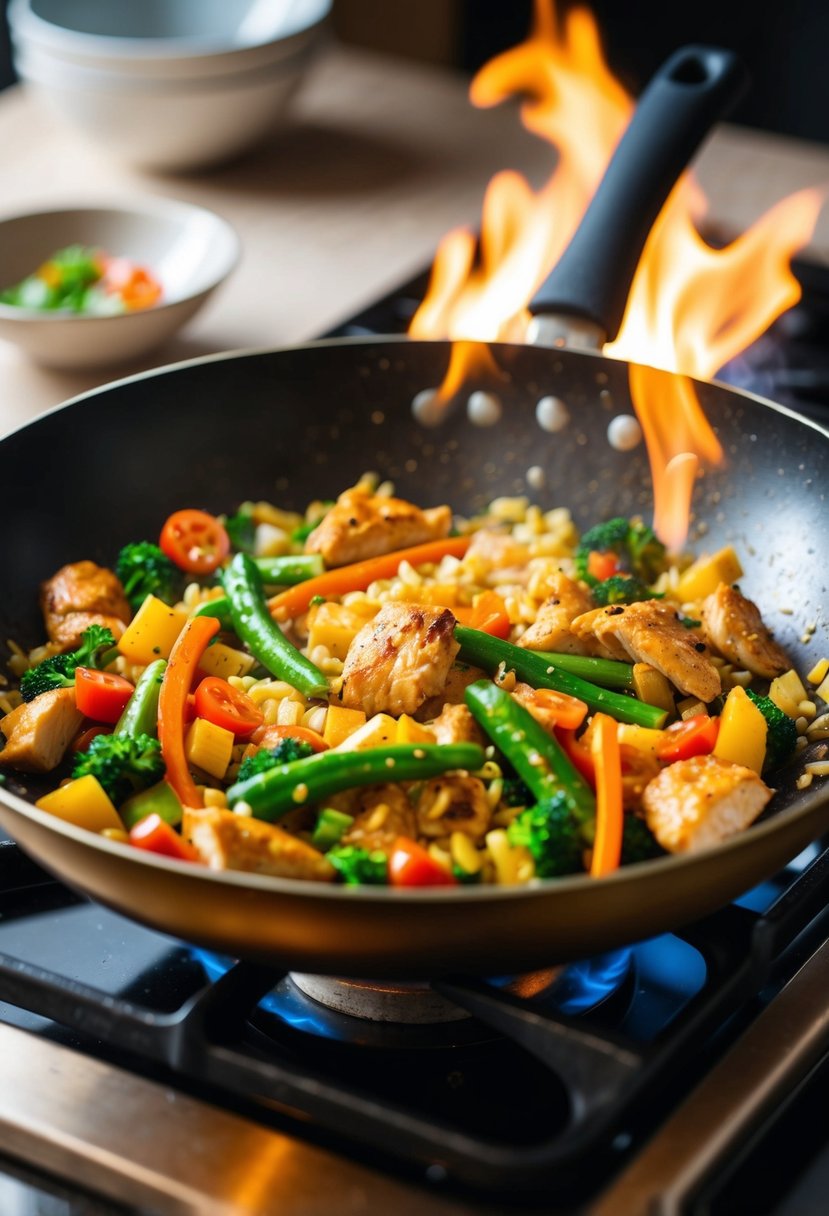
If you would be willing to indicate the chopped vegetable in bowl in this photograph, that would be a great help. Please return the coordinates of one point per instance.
(371, 693)
(86, 281)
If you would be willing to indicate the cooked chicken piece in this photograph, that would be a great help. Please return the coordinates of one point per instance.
(699, 802)
(381, 814)
(399, 659)
(362, 525)
(460, 676)
(735, 628)
(638, 770)
(453, 803)
(651, 632)
(79, 595)
(455, 724)
(38, 732)
(227, 841)
(551, 628)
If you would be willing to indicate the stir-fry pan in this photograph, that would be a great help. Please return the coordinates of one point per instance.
(291, 425)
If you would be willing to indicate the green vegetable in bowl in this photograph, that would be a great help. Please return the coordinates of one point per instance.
(80, 279)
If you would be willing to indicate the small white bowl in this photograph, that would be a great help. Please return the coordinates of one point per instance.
(189, 249)
(168, 84)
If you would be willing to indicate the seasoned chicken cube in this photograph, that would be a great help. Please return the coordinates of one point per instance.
(79, 595)
(453, 803)
(227, 841)
(651, 632)
(735, 628)
(551, 628)
(455, 724)
(460, 676)
(38, 732)
(362, 525)
(701, 801)
(381, 814)
(399, 659)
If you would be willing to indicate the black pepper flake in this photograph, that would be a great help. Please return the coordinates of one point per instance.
(352, 523)
(616, 610)
(699, 647)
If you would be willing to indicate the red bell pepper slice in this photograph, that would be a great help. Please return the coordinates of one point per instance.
(156, 836)
(578, 753)
(694, 737)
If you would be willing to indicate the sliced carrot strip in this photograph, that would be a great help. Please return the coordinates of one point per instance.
(607, 846)
(172, 704)
(295, 600)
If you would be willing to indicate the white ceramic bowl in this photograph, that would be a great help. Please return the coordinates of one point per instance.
(168, 38)
(167, 84)
(188, 248)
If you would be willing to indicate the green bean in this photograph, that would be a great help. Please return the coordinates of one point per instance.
(287, 786)
(609, 673)
(274, 572)
(538, 758)
(485, 651)
(140, 716)
(254, 625)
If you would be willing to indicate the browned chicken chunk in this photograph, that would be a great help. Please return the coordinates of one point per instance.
(381, 814)
(39, 731)
(227, 841)
(551, 627)
(735, 628)
(460, 676)
(79, 595)
(399, 659)
(362, 525)
(651, 632)
(696, 803)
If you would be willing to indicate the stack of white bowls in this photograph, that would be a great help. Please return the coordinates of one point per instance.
(168, 84)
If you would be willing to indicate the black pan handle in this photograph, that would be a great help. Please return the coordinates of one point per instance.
(689, 93)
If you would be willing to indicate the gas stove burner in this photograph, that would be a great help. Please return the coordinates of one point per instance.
(399, 1001)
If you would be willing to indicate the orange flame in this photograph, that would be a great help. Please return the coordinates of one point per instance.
(691, 307)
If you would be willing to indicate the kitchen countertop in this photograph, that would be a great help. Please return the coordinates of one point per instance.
(381, 158)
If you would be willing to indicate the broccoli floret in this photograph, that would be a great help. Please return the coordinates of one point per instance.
(286, 751)
(781, 735)
(359, 866)
(638, 841)
(59, 670)
(635, 544)
(551, 834)
(515, 792)
(144, 570)
(241, 529)
(622, 589)
(123, 764)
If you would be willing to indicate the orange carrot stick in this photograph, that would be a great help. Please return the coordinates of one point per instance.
(172, 702)
(607, 846)
(295, 600)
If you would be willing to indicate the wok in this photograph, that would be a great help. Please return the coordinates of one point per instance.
(294, 424)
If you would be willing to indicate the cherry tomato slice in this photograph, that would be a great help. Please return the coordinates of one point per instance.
(602, 565)
(101, 695)
(578, 753)
(694, 737)
(195, 541)
(411, 866)
(156, 836)
(224, 705)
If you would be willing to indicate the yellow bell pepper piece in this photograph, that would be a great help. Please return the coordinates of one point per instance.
(335, 626)
(377, 732)
(152, 632)
(83, 802)
(225, 661)
(340, 722)
(208, 747)
(742, 737)
(409, 731)
(706, 574)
